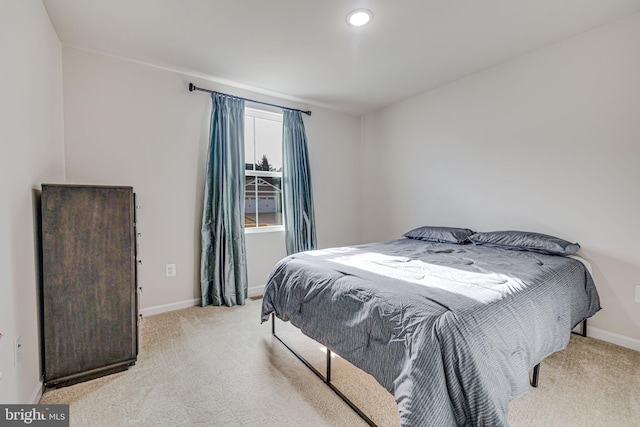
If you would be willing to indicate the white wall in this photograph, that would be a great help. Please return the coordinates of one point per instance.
(132, 124)
(31, 131)
(548, 142)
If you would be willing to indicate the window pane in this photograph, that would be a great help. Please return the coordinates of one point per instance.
(268, 144)
(249, 143)
(263, 154)
(263, 201)
(250, 202)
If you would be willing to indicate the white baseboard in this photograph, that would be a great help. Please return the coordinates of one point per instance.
(256, 290)
(157, 309)
(37, 392)
(150, 311)
(613, 338)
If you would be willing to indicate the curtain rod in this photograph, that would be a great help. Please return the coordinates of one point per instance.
(193, 87)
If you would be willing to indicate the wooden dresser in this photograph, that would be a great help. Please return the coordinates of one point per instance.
(89, 289)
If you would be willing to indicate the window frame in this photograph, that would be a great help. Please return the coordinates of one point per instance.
(277, 117)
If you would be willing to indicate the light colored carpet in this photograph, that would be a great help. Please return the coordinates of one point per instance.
(217, 366)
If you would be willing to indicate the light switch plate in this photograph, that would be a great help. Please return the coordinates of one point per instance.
(638, 293)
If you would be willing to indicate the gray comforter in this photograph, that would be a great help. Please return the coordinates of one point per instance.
(451, 331)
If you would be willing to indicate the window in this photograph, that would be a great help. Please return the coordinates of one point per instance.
(263, 170)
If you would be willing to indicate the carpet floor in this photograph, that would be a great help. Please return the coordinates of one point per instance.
(218, 366)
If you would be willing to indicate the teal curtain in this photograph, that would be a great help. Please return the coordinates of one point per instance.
(223, 272)
(299, 220)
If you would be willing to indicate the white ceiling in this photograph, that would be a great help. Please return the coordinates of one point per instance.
(304, 50)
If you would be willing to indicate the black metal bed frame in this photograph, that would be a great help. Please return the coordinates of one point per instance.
(327, 378)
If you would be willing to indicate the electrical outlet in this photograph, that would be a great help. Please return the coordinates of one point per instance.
(18, 349)
(170, 270)
(638, 293)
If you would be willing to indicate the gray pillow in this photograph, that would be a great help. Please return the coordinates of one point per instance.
(440, 234)
(525, 241)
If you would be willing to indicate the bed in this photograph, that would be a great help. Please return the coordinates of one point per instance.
(451, 330)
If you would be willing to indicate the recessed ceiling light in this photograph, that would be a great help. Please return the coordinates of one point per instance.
(359, 17)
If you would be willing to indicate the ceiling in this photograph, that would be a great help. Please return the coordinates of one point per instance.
(304, 50)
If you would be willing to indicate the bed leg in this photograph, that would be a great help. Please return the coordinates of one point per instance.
(583, 330)
(328, 378)
(273, 323)
(536, 374)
